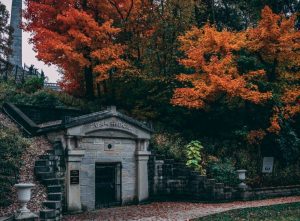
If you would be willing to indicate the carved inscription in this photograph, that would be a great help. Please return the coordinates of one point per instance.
(111, 124)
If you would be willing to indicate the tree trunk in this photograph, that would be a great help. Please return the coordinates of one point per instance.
(89, 84)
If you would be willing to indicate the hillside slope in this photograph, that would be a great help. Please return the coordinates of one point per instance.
(37, 146)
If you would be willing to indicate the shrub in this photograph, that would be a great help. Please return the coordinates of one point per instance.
(7, 91)
(170, 145)
(40, 98)
(43, 98)
(223, 172)
(69, 100)
(12, 146)
(194, 156)
(33, 84)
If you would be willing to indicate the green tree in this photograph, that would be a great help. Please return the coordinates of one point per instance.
(5, 33)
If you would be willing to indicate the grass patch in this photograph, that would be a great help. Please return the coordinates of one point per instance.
(282, 212)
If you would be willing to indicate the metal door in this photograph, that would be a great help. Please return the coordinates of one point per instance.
(107, 184)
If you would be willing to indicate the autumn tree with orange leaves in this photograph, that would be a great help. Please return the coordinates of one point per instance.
(80, 38)
(213, 57)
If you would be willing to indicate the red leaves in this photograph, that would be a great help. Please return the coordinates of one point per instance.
(73, 37)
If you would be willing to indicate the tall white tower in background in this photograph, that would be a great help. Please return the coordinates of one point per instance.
(15, 22)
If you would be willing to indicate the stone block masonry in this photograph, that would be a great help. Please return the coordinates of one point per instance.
(95, 152)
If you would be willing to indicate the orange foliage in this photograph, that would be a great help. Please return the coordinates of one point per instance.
(275, 126)
(210, 53)
(291, 100)
(291, 107)
(276, 40)
(256, 136)
(74, 37)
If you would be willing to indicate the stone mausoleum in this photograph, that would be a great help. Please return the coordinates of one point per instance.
(105, 156)
(106, 159)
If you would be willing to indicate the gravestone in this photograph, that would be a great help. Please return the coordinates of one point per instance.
(268, 163)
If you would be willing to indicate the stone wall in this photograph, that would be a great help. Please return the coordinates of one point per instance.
(173, 180)
(96, 151)
(269, 192)
(169, 180)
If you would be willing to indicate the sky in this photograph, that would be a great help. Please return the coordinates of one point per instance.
(28, 54)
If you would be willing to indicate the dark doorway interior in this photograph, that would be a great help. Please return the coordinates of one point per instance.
(108, 184)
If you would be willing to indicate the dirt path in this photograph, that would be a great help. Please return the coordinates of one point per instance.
(165, 211)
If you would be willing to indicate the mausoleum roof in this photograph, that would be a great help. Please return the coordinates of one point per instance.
(33, 128)
(96, 116)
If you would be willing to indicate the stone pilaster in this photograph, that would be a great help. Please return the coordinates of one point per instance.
(142, 156)
(74, 158)
(158, 176)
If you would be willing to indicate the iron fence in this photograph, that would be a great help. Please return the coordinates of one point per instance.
(18, 75)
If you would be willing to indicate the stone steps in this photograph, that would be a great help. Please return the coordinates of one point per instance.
(51, 204)
(50, 172)
(54, 189)
(54, 181)
(47, 214)
(58, 196)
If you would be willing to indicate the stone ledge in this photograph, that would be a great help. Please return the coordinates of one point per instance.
(269, 192)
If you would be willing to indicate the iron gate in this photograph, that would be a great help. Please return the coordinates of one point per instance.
(108, 185)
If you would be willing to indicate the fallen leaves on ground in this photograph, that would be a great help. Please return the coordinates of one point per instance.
(38, 146)
(168, 211)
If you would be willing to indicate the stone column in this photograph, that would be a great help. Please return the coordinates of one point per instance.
(142, 171)
(15, 22)
(74, 158)
(158, 176)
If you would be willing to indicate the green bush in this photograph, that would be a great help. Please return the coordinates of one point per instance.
(40, 98)
(33, 84)
(170, 145)
(223, 172)
(69, 100)
(7, 92)
(194, 156)
(12, 146)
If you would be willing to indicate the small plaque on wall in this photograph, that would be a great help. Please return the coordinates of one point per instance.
(74, 177)
(74, 173)
(268, 163)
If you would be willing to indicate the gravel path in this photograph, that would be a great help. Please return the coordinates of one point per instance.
(167, 211)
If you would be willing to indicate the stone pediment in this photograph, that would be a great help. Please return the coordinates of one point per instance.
(107, 124)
